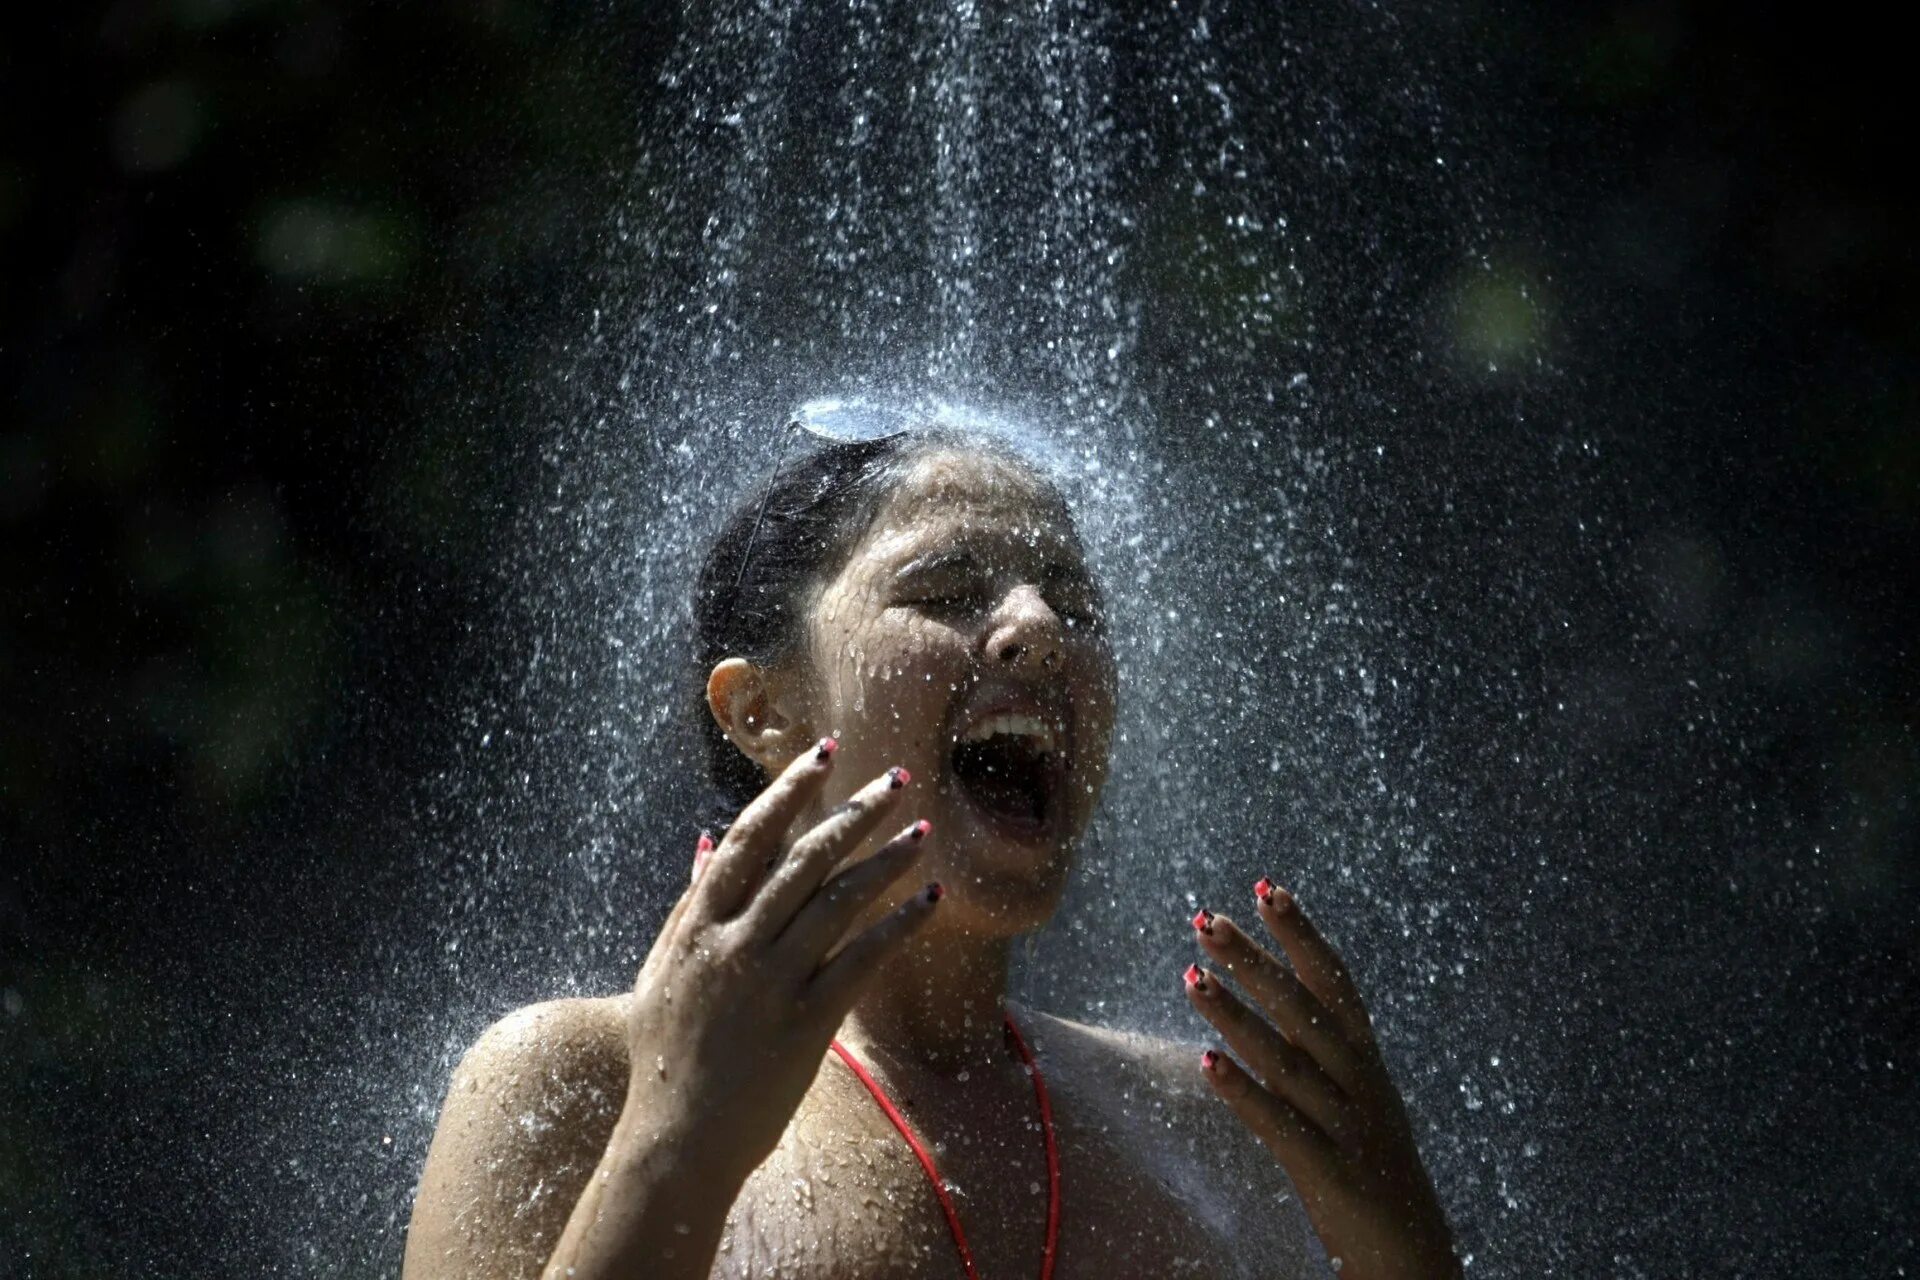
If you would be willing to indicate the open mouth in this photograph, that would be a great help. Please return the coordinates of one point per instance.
(1009, 764)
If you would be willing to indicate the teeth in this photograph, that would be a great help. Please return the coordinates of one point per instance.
(1017, 725)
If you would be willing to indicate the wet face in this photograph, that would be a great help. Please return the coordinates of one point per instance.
(964, 640)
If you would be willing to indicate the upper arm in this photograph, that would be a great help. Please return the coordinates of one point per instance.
(526, 1119)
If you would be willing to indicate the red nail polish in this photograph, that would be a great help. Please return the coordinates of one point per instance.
(898, 778)
(704, 844)
(1263, 889)
(825, 750)
(1195, 978)
(1203, 921)
(1208, 1059)
(920, 829)
(935, 892)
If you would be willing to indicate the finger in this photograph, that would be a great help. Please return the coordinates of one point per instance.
(1282, 1068)
(702, 848)
(815, 854)
(832, 991)
(757, 834)
(1310, 1157)
(700, 852)
(1314, 958)
(1298, 1013)
(826, 916)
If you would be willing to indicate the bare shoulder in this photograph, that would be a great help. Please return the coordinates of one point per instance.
(542, 1044)
(1167, 1065)
(527, 1115)
(1151, 1086)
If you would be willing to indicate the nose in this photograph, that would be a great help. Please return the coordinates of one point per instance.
(1025, 632)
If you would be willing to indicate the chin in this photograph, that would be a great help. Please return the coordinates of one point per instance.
(999, 907)
(1005, 883)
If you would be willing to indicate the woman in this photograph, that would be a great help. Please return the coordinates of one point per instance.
(908, 686)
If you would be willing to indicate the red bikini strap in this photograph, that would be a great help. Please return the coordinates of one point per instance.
(933, 1172)
(1053, 1152)
(926, 1160)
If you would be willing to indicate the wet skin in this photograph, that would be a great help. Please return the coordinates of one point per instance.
(969, 593)
(969, 590)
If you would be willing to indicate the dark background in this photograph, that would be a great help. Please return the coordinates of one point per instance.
(269, 270)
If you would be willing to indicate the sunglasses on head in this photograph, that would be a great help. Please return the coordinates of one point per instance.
(831, 421)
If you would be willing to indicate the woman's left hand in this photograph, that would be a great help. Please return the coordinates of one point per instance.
(1307, 1078)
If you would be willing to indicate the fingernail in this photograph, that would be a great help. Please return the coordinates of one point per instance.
(1208, 1059)
(935, 892)
(898, 778)
(920, 829)
(1203, 921)
(1195, 978)
(1263, 889)
(825, 750)
(704, 844)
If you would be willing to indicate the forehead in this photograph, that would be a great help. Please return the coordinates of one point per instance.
(984, 502)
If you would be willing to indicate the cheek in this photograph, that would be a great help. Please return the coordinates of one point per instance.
(1097, 695)
(896, 676)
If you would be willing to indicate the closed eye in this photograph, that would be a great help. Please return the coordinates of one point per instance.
(1074, 598)
(1079, 615)
(944, 602)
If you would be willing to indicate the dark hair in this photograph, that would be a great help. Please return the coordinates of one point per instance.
(816, 509)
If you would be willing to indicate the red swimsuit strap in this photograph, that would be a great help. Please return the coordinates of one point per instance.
(933, 1172)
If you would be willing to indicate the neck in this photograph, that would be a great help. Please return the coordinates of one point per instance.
(940, 1005)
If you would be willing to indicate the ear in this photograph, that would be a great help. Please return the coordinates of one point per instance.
(752, 707)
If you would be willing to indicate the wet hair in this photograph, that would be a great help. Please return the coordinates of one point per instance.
(816, 509)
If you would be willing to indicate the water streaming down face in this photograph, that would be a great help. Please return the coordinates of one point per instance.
(1238, 281)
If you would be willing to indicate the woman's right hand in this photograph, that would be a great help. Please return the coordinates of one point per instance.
(735, 1006)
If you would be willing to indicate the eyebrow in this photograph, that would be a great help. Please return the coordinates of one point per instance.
(963, 559)
(936, 561)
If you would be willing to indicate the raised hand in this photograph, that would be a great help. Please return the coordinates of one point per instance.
(734, 1008)
(1306, 1077)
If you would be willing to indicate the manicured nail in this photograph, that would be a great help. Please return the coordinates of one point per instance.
(825, 750)
(704, 844)
(1263, 889)
(935, 892)
(1203, 921)
(920, 829)
(1208, 1060)
(898, 778)
(1196, 980)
